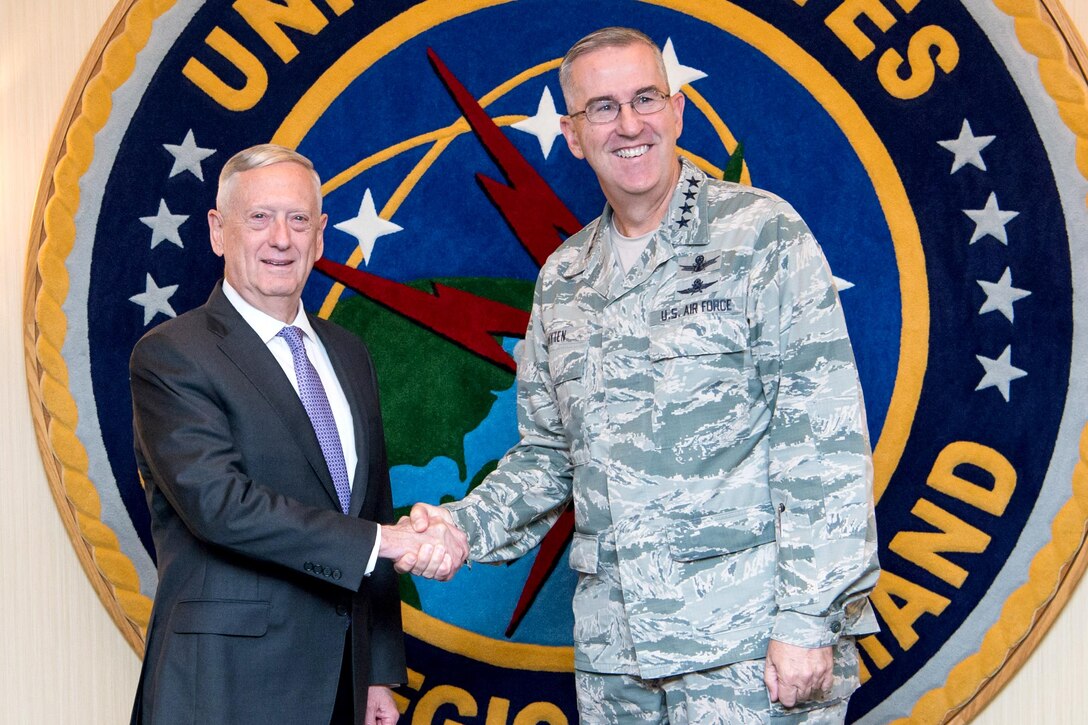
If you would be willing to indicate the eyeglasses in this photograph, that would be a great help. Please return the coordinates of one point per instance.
(606, 110)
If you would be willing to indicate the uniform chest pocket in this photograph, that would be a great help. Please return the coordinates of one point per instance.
(703, 376)
(566, 362)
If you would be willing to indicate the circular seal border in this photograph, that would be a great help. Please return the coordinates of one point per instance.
(1043, 30)
(1046, 32)
(108, 65)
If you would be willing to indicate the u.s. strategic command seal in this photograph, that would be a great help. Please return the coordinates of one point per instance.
(938, 150)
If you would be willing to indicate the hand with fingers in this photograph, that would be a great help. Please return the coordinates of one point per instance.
(423, 518)
(795, 674)
(433, 548)
(381, 708)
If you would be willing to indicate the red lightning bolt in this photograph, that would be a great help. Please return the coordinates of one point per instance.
(461, 317)
(530, 207)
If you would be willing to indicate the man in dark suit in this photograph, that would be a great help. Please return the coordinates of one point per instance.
(260, 444)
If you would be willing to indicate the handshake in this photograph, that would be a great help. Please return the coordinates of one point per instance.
(427, 543)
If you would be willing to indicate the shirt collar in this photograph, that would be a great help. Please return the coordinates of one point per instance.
(266, 326)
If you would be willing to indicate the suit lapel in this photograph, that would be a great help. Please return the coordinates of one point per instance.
(249, 353)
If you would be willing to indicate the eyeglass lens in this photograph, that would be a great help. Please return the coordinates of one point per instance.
(607, 110)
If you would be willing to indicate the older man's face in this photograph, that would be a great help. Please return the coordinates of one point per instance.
(634, 155)
(269, 234)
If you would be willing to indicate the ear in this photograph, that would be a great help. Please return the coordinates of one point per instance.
(677, 102)
(320, 241)
(215, 231)
(566, 125)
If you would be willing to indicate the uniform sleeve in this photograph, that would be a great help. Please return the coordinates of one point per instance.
(515, 506)
(186, 452)
(820, 468)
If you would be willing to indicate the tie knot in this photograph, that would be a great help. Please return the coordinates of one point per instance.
(293, 336)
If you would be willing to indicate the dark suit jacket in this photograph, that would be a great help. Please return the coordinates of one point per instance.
(259, 571)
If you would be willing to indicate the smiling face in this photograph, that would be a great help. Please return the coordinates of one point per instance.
(634, 156)
(269, 231)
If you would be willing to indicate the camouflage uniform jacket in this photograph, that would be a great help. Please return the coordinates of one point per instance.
(704, 412)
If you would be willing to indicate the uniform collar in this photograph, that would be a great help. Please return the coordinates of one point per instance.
(684, 224)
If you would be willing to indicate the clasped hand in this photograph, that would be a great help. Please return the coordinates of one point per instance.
(796, 674)
(428, 544)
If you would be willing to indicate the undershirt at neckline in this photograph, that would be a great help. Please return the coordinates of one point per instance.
(627, 249)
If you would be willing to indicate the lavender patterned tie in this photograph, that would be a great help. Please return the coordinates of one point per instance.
(316, 403)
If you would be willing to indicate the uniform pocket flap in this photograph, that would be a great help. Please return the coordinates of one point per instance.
(234, 617)
(583, 553)
(722, 533)
(805, 712)
(566, 361)
(698, 335)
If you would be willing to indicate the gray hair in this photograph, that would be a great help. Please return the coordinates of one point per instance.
(259, 156)
(613, 37)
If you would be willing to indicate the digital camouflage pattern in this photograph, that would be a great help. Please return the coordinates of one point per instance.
(704, 412)
(732, 693)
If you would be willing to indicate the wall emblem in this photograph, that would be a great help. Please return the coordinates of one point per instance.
(939, 151)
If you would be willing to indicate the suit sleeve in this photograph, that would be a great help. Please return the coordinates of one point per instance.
(820, 469)
(186, 451)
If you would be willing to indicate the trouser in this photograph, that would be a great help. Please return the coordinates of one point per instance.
(731, 694)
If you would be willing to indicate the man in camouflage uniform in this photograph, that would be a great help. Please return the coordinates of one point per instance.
(688, 380)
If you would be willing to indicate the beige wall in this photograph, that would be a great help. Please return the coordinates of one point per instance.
(61, 658)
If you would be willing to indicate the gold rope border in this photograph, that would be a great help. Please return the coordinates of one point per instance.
(1046, 31)
(108, 64)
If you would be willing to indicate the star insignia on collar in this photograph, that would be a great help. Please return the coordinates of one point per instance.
(689, 194)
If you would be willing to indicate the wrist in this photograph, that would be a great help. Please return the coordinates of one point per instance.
(393, 543)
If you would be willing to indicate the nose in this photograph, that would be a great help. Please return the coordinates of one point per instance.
(628, 122)
(280, 238)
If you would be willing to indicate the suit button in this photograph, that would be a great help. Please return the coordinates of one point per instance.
(342, 610)
(336, 574)
(326, 571)
(308, 566)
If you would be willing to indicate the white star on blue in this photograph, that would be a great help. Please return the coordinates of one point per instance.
(1000, 372)
(164, 225)
(187, 156)
(155, 299)
(678, 75)
(545, 124)
(990, 220)
(367, 226)
(1001, 295)
(967, 148)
